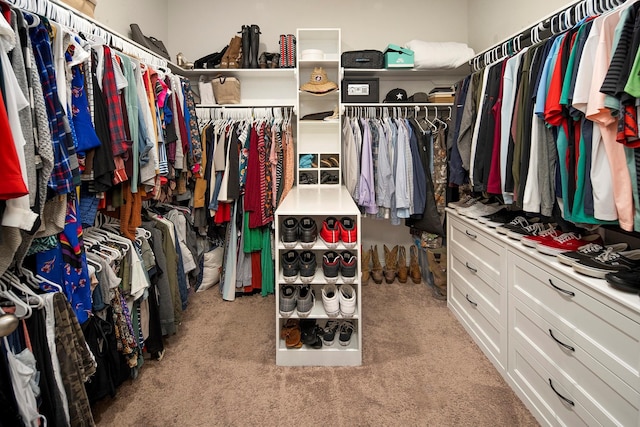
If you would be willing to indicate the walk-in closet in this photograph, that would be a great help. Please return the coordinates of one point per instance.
(342, 213)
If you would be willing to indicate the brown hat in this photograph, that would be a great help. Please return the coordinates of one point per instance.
(319, 84)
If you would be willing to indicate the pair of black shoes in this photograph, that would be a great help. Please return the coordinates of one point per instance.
(250, 45)
(627, 280)
(311, 333)
(304, 231)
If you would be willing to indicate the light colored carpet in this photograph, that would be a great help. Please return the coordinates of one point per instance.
(420, 368)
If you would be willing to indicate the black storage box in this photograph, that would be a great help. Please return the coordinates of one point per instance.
(362, 59)
(358, 90)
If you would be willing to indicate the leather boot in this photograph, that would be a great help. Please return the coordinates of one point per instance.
(255, 46)
(376, 269)
(414, 265)
(390, 264)
(403, 269)
(365, 267)
(246, 45)
(437, 259)
(234, 53)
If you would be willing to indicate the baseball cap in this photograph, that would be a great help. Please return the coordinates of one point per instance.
(396, 95)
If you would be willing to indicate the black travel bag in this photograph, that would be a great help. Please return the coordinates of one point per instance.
(362, 59)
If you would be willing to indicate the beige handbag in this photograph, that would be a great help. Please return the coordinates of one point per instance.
(226, 89)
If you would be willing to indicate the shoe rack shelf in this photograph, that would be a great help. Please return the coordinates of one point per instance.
(318, 202)
(320, 139)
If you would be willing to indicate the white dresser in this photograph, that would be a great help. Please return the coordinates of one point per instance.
(567, 344)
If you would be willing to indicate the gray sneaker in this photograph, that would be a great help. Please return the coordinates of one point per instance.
(288, 302)
(305, 300)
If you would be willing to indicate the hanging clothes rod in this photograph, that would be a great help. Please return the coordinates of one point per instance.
(556, 22)
(399, 104)
(65, 15)
(244, 106)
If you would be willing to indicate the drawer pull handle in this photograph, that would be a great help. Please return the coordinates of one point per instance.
(570, 402)
(475, 304)
(564, 291)
(567, 346)
(473, 270)
(473, 236)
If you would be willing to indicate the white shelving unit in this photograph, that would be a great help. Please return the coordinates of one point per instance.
(320, 139)
(319, 202)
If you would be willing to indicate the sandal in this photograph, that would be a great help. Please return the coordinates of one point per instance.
(326, 163)
(334, 162)
(290, 333)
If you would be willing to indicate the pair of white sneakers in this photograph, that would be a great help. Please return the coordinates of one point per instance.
(339, 300)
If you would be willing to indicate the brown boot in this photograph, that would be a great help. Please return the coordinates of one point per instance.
(414, 266)
(437, 259)
(233, 55)
(390, 264)
(376, 270)
(365, 266)
(403, 269)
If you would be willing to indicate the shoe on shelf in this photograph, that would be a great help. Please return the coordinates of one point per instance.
(308, 232)
(481, 209)
(533, 228)
(348, 232)
(305, 301)
(501, 217)
(307, 266)
(330, 232)
(331, 266)
(515, 224)
(587, 251)
(348, 267)
(290, 333)
(567, 242)
(346, 330)
(347, 297)
(289, 232)
(469, 204)
(608, 261)
(625, 281)
(308, 331)
(290, 266)
(329, 332)
(463, 199)
(540, 235)
(330, 300)
(288, 300)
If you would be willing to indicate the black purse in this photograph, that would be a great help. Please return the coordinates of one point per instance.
(151, 43)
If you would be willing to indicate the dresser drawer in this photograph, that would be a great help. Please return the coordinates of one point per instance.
(548, 393)
(608, 336)
(480, 245)
(603, 394)
(488, 290)
(476, 315)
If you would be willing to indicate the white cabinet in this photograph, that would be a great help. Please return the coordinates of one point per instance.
(318, 203)
(571, 347)
(319, 150)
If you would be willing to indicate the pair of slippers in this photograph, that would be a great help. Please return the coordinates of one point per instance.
(331, 162)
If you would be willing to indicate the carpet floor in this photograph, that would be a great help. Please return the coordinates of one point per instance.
(420, 368)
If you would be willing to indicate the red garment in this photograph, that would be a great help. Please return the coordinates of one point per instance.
(494, 183)
(252, 188)
(552, 107)
(13, 185)
(118, 134)
(223, 214)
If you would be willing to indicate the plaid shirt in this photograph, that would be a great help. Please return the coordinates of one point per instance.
(61, 180)
(119, 142)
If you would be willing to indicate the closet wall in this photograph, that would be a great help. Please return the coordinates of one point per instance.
(150, 15)
(492, 21)
(204, 26)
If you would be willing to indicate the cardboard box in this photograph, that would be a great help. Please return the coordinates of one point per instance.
(398, 57)
(441, 97)
(360, 90)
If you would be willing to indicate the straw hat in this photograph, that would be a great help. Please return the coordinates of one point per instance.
(319, 84)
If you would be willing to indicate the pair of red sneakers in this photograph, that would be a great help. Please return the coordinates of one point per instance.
(334, 231)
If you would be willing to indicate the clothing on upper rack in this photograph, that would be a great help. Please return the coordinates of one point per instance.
(561, 121)
(391, 164)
